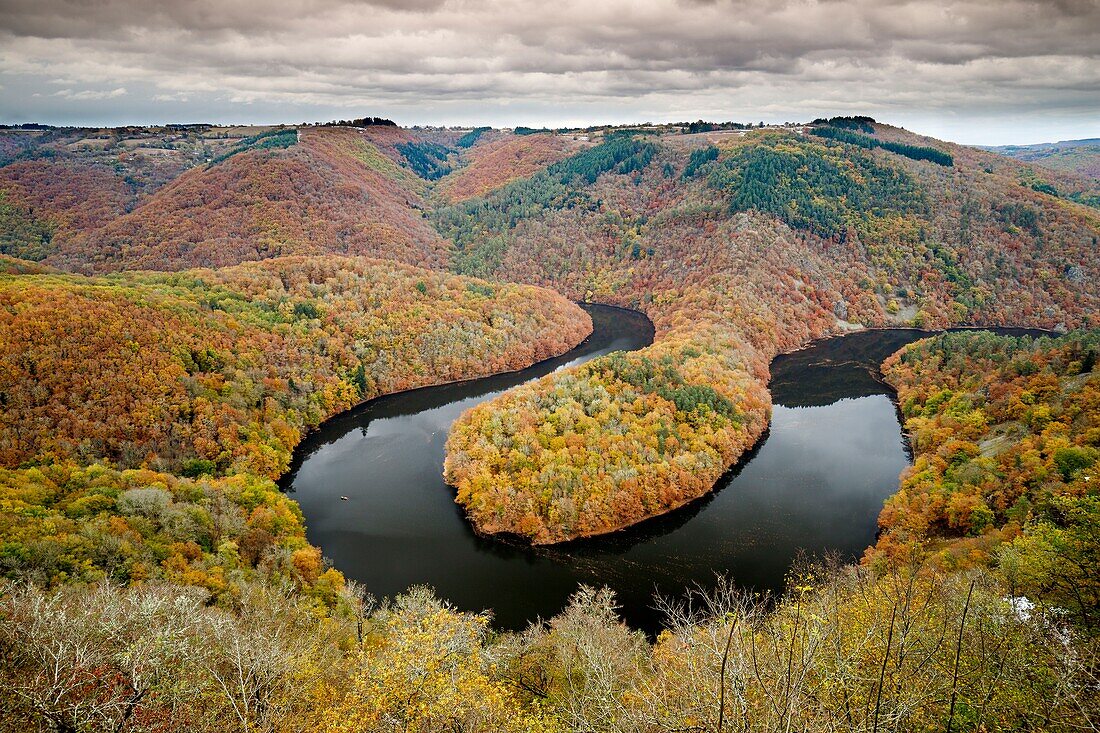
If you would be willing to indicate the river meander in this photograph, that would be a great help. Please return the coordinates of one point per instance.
(814, 485)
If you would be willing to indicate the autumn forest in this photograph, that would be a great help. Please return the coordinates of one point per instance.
(181, 306)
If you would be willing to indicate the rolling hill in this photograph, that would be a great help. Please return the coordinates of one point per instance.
(329, 191)
(1074, 156)
(146, 413)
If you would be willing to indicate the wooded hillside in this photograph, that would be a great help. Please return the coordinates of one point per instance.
(144, 415)
(737, 243)
(1006, 438)
(230, 367)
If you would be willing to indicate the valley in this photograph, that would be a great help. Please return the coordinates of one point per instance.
(235, 372)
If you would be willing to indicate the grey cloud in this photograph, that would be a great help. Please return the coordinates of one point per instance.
(675, 58)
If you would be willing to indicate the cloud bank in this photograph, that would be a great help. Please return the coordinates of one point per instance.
(975, 70)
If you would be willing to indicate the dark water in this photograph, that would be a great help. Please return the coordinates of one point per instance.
(815, 484)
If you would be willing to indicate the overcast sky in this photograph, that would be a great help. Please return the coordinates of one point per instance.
(978, 71)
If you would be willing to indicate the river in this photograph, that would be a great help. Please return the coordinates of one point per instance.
(814, 485)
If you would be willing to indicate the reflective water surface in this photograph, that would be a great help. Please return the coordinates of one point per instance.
(814, 484)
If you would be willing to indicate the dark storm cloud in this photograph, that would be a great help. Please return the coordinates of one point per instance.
(438, 59)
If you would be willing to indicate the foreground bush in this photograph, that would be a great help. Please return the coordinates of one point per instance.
(844, 650)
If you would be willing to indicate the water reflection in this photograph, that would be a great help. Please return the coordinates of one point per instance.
(815, 484)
